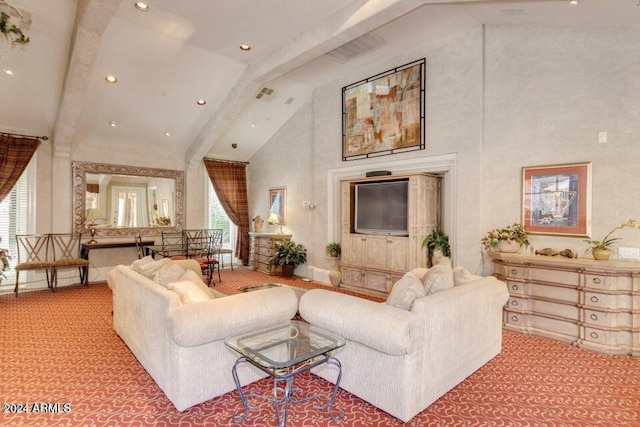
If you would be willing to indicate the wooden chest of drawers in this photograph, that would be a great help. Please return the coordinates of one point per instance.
(262, 248)
(591, 304)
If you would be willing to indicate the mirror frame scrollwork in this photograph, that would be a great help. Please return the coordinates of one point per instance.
(80, 169)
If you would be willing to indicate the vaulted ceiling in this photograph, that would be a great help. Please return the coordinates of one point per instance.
(178, 52)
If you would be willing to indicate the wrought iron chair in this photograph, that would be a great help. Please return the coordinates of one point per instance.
(33, 254)
(215, 240)
(139, 246)
(199, 248)
(173, 245)
(65, 249)
(220, 251)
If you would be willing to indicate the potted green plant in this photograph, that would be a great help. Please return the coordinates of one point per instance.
(334, 249)
(601, 249)
(507, 239)
(288, 254)
(436, 242)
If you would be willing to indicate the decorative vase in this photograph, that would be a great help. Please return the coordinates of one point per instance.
(335, 276)
(508, 246)
(601, 254)
(257, 224)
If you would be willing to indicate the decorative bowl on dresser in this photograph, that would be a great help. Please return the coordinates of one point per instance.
(591, 304)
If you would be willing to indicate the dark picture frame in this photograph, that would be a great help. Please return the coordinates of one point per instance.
(384, 114)
(556, 199)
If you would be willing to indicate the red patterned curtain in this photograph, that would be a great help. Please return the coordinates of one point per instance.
(229, 180)
(15, 155)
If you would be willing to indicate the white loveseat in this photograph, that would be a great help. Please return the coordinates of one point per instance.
(181, 345)
(402, 360)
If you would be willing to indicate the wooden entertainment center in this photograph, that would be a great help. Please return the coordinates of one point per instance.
(372, 263)
(591, 304)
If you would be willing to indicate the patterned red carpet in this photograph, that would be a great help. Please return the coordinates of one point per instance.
(60, 357)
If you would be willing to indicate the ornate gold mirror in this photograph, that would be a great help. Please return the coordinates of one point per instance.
(122, 200)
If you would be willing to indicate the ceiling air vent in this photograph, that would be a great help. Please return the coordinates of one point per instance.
(356, 47)
(264, 93)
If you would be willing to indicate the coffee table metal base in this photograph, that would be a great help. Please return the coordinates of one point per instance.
(285, 395)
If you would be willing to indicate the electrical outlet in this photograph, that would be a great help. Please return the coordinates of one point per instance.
(629, 253)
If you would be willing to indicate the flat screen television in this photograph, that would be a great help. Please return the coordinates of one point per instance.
(382, 208)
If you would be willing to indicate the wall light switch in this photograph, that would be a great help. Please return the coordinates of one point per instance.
(602, 137)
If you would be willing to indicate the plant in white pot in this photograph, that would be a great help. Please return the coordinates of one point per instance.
(288, 255)
(507, 239)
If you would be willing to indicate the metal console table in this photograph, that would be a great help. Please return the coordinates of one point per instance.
(283, 352)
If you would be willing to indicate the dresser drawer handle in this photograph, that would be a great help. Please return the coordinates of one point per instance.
(594, 335)
(514, 287)
(514, 318)
(594, 299)
(514, 271)
(597, 280)
(514, 303)
(594, 316)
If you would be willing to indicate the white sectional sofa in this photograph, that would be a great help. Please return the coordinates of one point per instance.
(402, 360)
(181, 344)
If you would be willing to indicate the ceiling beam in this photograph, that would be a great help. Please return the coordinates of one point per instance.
(356, 19)
(92, 19)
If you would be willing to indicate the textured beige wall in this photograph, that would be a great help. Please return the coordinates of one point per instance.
(549, 91)
(500, 98)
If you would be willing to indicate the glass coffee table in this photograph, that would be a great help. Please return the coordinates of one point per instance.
(283, 352)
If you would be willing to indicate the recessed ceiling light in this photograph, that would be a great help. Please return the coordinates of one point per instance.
(113, 123)
(253, 125)
(141, 6)
(201, 102)
(575, 1)
(167, 134)
(111, 79)
(8, 71)
(245, 47)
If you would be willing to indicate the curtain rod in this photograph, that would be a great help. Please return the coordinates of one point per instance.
(44, 138)
(226, 161)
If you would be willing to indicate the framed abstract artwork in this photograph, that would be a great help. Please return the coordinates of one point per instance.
(556, 199)
(384, 114)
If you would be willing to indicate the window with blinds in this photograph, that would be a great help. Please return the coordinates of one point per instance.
(13, 220)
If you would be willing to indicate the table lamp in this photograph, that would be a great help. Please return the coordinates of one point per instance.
(93, 218)
(274, 220)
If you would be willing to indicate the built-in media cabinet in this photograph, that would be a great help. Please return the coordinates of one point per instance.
(390, 245)
(590, 304)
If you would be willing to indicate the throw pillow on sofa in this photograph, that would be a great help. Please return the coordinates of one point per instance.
(405, 291)
(192, 276)
(171, 273)
(461, 276)
(188, 291)
(150, 269)
(137, 264)
(439, 277)
(420, 272)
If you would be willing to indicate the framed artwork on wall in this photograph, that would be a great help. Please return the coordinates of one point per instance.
(277, 206)
(384, 114)
(556, 199)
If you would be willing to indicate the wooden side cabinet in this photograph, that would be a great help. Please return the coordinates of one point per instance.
(592, 304)
(262, 248)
